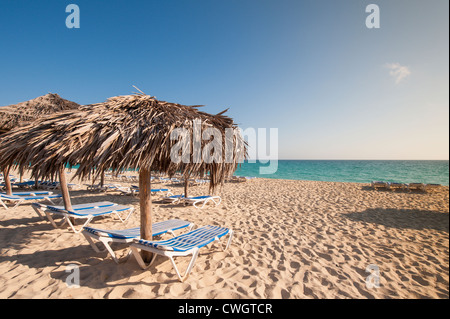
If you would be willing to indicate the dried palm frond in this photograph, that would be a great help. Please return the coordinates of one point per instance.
(20, 114)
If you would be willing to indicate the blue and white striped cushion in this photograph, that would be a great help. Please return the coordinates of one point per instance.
(174, 197)
(199, 197)
(153, 190)
(199, 237)
(84, 206)
(29, 193)
(16, 197)
(119, 234)
(100, 211)
(157, 229)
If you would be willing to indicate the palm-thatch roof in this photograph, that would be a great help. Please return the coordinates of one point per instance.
(25, 112)
(131, 131)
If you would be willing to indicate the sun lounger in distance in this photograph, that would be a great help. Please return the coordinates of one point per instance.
(380, 184)
(417, 186)
(198, 200)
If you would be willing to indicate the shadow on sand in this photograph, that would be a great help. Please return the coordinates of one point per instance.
(403, 218)
(404, 191)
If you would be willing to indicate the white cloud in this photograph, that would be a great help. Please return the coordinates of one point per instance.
(398, 72)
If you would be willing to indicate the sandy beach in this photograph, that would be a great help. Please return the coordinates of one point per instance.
(293, 239)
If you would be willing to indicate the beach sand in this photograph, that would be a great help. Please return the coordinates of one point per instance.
(293, 239)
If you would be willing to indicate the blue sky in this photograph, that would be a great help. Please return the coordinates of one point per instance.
(334, 88)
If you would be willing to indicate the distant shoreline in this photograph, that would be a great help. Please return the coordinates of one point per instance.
(354, 171)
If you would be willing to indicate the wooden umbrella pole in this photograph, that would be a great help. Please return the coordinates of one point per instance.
(146, 210)
(21, 174)
(102, 179)
(93, 177)
(7, 181)
(186, 185)
(64, 188)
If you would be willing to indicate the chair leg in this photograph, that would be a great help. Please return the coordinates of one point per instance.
(109, 249)
(93, 245)
(139, 259)
(171, 232)
(3, 203)
(128, 216)
(18, 203)
(67, 218)
(144, 266)
(229, 239)
(230, 236)
(189, 268)
(52, 221)
(218, 203)
(38, 212)
(199, 201)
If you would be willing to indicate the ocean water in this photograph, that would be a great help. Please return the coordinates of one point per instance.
(364, 171)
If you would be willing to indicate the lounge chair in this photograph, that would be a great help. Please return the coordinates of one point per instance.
(380, 184)
(432, 186)
(202, 200)
(134, 190)
(417, 186)
(241, 179)
(158, 191)
(173, 199)
(49, 185)
(83, 211)
(12, 179)
(38, 208)
(32, 193)
(72, 186)
(20, 199)
(25, 184)
(199, 181)
(172, 180)
(182, 245)
(104, 188)
(195, 182)
(395, 186)
(126, 190)
(128, 235)
(175, 180)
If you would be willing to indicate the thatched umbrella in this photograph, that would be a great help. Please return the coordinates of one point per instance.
(21, 114)
(126, 132)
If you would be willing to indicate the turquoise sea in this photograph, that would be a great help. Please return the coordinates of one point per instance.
(358, 171)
